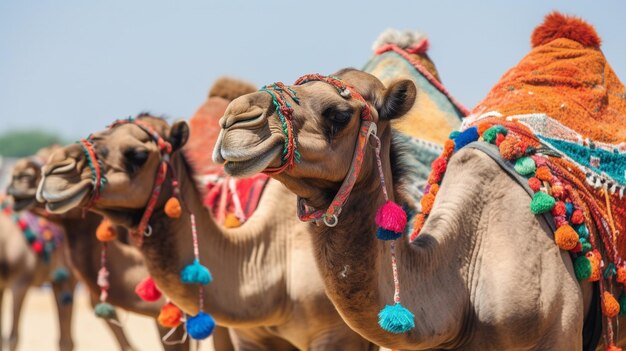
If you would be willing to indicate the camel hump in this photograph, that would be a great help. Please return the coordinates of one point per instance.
(412, 41)
(231, 88)
(557, 25)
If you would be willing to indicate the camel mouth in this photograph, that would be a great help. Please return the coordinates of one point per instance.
(254, 164)
(58, 197)
(23, 201)
(245, 153)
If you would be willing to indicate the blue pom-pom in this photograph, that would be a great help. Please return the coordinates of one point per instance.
(465, 137)
(396, 319)
(105, 310)
(60, 274)
(569, 209)
(385, 234)
(200, 326)
(195, 273)
(66, 298)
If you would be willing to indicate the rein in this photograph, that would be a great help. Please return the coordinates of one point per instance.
(99, 180)
(291, 156)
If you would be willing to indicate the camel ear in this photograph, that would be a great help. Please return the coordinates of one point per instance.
(398, 100)
(179, 134)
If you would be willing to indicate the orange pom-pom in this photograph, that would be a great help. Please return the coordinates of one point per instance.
(417, 226)
(543, 173)
(448, 149)
(483, 127)
(510, 148)
(534, 184)
(613, 348)
(594, 259)
(621, 275)
(231, 221)
(427, 203)
(610, 306)
(172, 208)
(434, 189)
(170, 316)
(566, 237)
(106, 231)
(557, 190)
(577, 217)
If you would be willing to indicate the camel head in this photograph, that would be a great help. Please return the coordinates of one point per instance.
(128, 155)
(25, 178)
(324, 126)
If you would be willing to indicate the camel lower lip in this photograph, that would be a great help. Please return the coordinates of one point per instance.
(20, 204)
(68, 203)
(253, 165)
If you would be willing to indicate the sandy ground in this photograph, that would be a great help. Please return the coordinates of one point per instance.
(39, 330)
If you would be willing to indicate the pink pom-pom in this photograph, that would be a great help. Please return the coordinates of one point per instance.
(391, 217)
(147, 290)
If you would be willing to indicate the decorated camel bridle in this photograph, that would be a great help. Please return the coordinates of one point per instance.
(390, 218)
(199, 326)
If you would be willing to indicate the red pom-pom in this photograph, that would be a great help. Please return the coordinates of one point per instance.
(613, 348)
(499, 139)
(391, 216)
(170, 316)
(438, 167)
(147, 290)
(37, 246)
(22, 224)
(577, 217)
(577, 248)
(427, 203)
(534, 184)
(621, 275)
(557, 25)
(559, 209)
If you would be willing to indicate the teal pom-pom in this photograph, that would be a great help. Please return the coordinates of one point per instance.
(66, 298)
(200, 326)
(525, 166)
(60, 274)
(582, 268)
(195, 273)
(491, 134)
(105, 310)
(586, 245)
(385, 234)
(569, 209)
(582, 230)
(541, 203)
(454, 134)
(396, 319)
(30, 236)
(622, 305)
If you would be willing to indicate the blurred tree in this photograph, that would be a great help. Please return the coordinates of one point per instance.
(21, 143)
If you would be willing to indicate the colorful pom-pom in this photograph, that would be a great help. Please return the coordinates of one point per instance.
(391, 217)
(170, 316)
(566, 237)
(37, 246)
(582, 268)
(105, 310)
(620, 276)
(610, 306)
(569, 209)
(231, 221)
(499, 139)
(438, 168)
(577, 217)
(510, 148)
(525, 166)
(448, 149)
(465, 137)
(200, 326)
(543, 173)
(491, 134)
(594, 260)
(613, 348)
(557, 190)
(541, 203)
(60, 274)
(534, 184)
(559, 209)
(195, 273)
(417, 226)
(384, 234)
(582, 231)
(106, 231)
(433, 189)
(396, 319)
(622, 305)
(147, 290)
(454, 134)
(172, 208)
(66, 298)
(427, 203)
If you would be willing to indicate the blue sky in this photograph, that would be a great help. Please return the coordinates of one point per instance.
(73, 66)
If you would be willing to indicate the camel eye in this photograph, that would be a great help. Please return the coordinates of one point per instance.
(339, 117)
(135, 158)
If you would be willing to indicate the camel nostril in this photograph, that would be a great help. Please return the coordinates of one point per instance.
(251, 118)
(61, 167)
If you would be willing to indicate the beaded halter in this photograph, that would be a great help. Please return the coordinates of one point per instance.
(390, 218)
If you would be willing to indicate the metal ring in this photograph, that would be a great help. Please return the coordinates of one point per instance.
(148, 231)
(334, 222)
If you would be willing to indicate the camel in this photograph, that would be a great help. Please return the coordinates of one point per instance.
(20, 269)
(484, 273)
(125, 263)
(299, 323)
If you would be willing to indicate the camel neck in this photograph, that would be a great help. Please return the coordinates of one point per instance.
(243, 261)
(358, 274)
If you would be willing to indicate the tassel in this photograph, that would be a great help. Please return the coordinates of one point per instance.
(147, 290)
(391, 220)
(37, 246)
(60, 275)
(172, 208)
(232, 221)
(106, 231)
(196, 273)
(200, 326)
(396, 319)
(105, 310)
(170, 316)
(610, 306)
